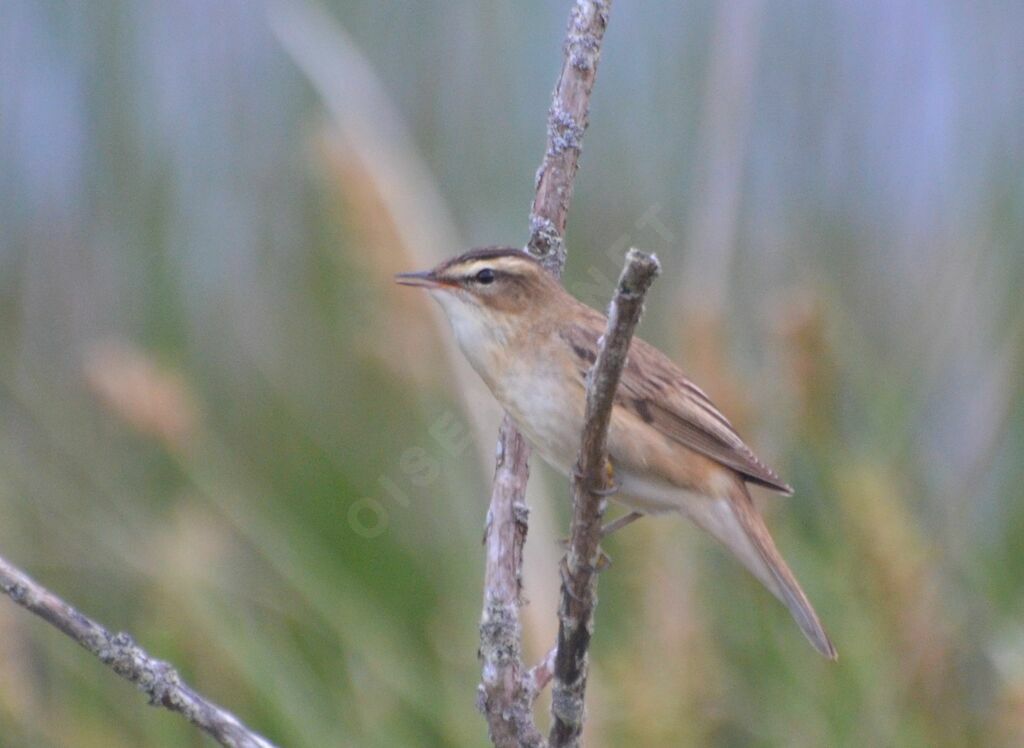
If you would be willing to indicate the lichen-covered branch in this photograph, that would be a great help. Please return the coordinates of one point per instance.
(504, 693)
(567, 121)
(589, 487)
(507, 690)
(155, 678)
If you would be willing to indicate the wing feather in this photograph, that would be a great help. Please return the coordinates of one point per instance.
(655, 390)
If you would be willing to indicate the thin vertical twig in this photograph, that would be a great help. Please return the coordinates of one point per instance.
(504, 693)
(507, 691)
(568, 118)
(589, 487)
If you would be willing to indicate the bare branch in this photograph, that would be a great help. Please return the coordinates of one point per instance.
(567, 121)
(155, 678)
(507, 692)
(503, 695)
(589, 487)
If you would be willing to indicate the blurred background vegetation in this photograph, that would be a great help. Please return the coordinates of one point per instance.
(225, 431)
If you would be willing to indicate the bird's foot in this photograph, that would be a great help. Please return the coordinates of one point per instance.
(611, 485)
(604, 561)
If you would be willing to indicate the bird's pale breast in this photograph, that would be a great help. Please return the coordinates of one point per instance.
(546, 405)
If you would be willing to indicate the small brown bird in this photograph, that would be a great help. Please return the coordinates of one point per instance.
(670, 448)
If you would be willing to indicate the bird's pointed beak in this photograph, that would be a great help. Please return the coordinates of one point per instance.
(423, 279)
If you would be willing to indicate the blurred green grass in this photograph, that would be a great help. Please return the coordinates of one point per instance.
(224, 430)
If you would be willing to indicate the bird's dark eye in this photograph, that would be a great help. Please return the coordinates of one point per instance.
(485, 276)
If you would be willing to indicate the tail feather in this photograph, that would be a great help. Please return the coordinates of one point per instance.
(736, 523)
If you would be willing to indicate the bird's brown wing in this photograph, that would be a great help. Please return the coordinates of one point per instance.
(655, 390)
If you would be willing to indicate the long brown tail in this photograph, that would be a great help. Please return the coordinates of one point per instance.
(736, 522)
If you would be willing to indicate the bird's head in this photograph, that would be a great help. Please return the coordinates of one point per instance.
(494, 298)
(499, 290)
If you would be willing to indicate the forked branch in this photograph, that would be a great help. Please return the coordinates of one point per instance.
(507, 690)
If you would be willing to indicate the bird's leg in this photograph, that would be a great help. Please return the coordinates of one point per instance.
(603, 559)
(618, 524)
